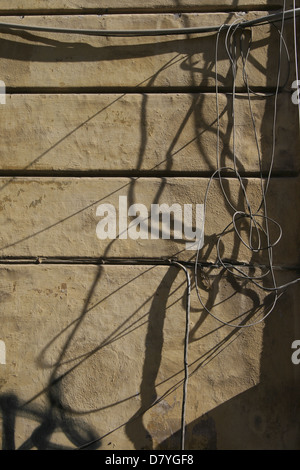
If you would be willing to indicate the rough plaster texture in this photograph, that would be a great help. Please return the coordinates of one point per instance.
(35, 5)
(56, 217)
(146, 133)
(86, 348)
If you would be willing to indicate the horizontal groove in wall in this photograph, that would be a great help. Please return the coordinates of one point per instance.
(140, 10)
(59, 176)
(136, 90)
(84, 261)
(138, 174)
(263, 92)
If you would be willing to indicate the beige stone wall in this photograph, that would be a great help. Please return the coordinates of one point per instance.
(133, 5)
(92, 331)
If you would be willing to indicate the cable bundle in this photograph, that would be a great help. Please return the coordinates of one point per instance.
(258, 221)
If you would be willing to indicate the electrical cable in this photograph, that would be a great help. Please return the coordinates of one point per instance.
(186, 363)
(252, 215)
(273, 18)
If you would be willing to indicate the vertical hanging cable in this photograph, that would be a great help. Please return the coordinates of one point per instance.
(186, 364)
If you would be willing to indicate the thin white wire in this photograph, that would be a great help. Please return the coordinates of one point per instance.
(263, 204)
(186, 363)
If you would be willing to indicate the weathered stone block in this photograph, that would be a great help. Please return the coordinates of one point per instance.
(96, 352)
(68, 217)
(41, 60)
(149, 133)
